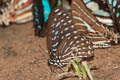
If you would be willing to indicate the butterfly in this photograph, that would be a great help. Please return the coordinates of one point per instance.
(16, 11)
(64, 40)
(83, 19)
(114, 7)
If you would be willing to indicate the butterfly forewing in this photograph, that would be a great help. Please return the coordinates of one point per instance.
(76, 45)
(57, 27)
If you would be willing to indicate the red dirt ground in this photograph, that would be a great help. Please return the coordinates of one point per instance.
(24, 57)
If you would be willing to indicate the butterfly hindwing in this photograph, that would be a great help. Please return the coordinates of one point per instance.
(78, 42)
(57, 22)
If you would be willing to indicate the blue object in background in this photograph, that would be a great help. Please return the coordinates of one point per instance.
(46, 8)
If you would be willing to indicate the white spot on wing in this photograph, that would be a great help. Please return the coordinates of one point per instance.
(56, 10)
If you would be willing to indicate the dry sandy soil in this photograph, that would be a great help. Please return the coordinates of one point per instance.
(24, 57)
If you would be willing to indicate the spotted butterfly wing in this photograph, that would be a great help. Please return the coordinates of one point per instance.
(69, 48)
(114, 6)
(63, 36)
(58, 27)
